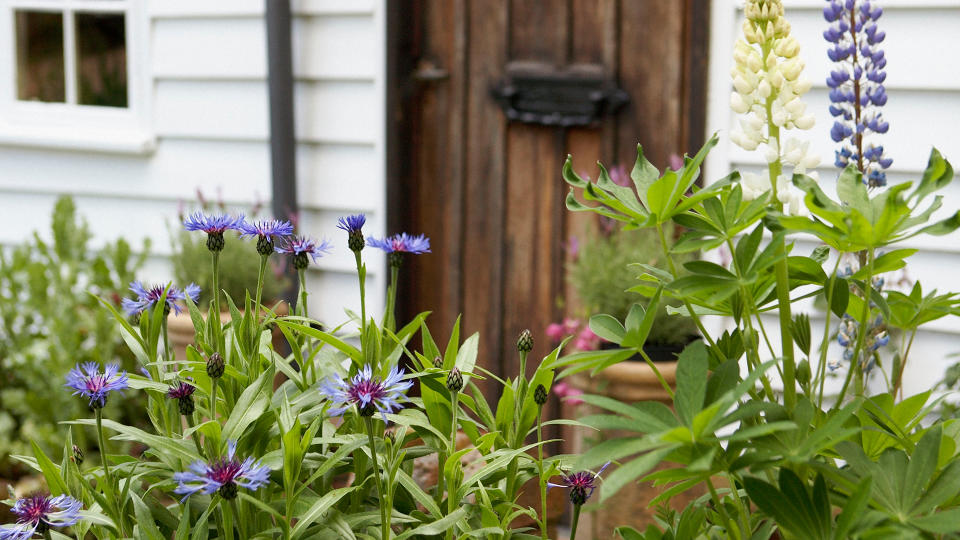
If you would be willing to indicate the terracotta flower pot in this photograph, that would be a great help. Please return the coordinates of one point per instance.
(628, 382)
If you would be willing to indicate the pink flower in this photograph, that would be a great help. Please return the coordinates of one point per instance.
(619, 176)
(555, 332)
(586, 340)
(567, 393)
(676, 162)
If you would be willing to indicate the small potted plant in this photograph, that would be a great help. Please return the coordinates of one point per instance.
(603, 270)
(191, 261)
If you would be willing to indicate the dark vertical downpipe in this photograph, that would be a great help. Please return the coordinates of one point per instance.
(283, 168)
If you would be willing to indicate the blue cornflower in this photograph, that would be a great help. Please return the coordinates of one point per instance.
(581, 484)
(367, 392)
(856, 86)
(87, 380)
(353, 225)
(300, 247)
(37, 513)
(224, 475)
(395, 246)
(214, 225)
(146, 298)
(402, 243)
(266, 232)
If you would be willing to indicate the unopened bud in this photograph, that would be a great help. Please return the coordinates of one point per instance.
(77, 455)
(438, 362)
(454, 380)
(215, 366)
(525, 341)
(540, 395)
(803, 371)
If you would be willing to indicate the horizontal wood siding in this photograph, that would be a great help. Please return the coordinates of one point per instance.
(923, 84)
(211, 118)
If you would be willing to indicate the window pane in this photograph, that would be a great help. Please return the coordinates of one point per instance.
(40, 75)
(101, 59)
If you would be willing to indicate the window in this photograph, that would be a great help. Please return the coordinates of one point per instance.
(74, 76)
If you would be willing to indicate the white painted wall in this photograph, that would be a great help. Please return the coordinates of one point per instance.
(206, 70)
(923, 84)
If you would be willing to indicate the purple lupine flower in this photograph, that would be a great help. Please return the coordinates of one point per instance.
(266, 231)
(224, 475)
(353, 225)
(146, 298)
(37, 513)
(875, 338)
(581, 484)
(856, 86)
(300, 247)
(88, 381)
(214, 225)
(367, 392)
(182, 391)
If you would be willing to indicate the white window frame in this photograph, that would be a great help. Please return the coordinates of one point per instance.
(70, 125)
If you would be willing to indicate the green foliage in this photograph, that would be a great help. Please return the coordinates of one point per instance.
(49, 323)
(864, 466)
(191, 264)
(605, 269)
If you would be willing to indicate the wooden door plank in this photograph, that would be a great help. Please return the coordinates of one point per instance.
(483, 211)
(651, 66)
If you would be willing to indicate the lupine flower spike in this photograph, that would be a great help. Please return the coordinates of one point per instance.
(88, 381)
(367, 392)
(856, 86)
(768, 87)
(36, 514)
(353, 226)
(214, 225)
(401, 243)
(224, 475)
(267, 232)
(146, 298)
(300, 247)
(581, 484)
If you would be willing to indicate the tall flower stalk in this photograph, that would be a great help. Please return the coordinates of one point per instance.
(353, 226)
(768, 89)
(856, 86)
(395, 246)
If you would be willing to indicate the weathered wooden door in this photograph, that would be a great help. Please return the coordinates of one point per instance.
(488, 191)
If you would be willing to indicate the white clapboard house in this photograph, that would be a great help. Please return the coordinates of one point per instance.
(130, 105)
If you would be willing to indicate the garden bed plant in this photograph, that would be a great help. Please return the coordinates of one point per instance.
(245, 443)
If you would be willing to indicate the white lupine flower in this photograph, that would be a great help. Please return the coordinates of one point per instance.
(768, 92)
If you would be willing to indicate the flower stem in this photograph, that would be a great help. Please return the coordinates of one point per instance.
(193, 435)
(256, 306)
(390, 315)
(213, 398)
(452, 486)
(574, 522)
(384, 512)
(822, 365)
(861, 331)
(362, 277)
(217, 338)
(543, 481)
(302, 296)
(103, 450)
(903, 362)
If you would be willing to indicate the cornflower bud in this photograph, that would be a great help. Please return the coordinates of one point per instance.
(438, 362)
(525, 342)
(454, 381)
(215, 365)
(77, 455)
(540, 395)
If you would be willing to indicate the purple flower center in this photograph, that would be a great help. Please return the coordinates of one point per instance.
(582, 480)
(180, 390)
(366, 391)
(33, 509)
(97, 384)
(224, 471)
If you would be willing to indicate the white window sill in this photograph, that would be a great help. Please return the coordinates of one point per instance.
(131, 142)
